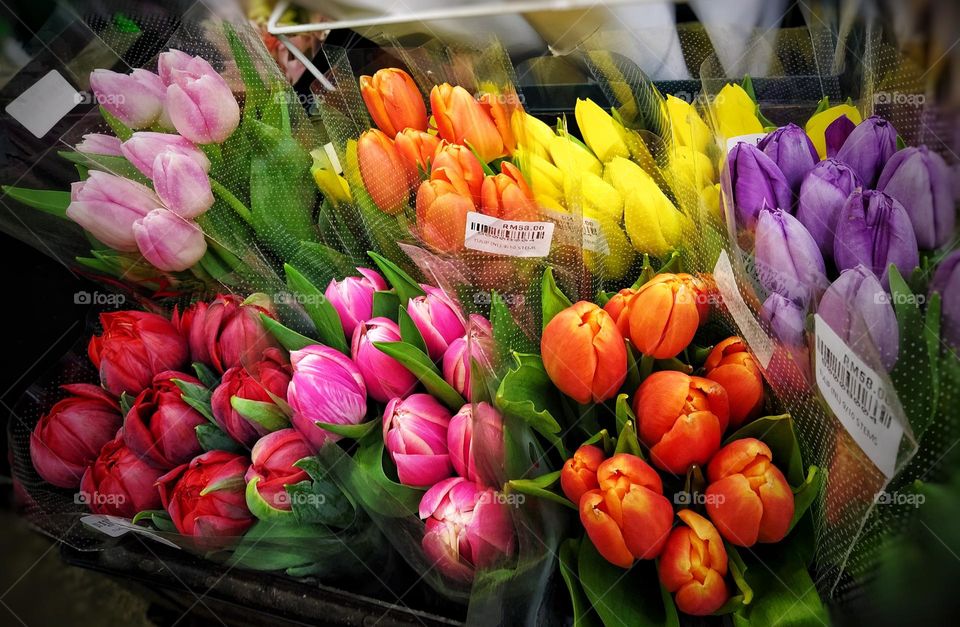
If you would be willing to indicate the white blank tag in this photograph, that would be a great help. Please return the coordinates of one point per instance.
(44, 103)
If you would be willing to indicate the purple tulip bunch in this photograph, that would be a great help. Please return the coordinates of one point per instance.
(187, 96)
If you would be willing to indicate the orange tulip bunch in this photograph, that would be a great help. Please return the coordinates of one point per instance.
(447, 164)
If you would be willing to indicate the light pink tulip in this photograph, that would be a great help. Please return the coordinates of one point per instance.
(415, 434)
(169, 242)
(108, 205)
(182, 184)
(384, 376)
(143, 148)
(435, 315)
(136, 99)
(272, 461)
(475, 442)
(353, 297)
(477, 346)
(326, 387)
(173, 62)
(99, 144)
(200, 103)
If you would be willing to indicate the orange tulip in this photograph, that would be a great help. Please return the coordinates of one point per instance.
(619, 308)
(681, 418)
(507, 196)
(579, 473)
(393, 100)
(417, 148)
(664, 316)
(628, 517)
(501, 114)
(730, 365)
(748, 499)
(459, 167)
(460, 119)
(693, 565)
(584, 354)
(442, 215)
(385, 174)
(702, 292)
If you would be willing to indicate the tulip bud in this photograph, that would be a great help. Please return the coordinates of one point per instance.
(735, 112)
(136, 99)
(143, 148)
(792, 151)
(475, 442)
(459, 167)
(605, 136)
(875, 230)
(572, 156)
(442, 215)
(748, 498)
(169, 242)
(837, 133)
(787, 257)
(161, 426)
(272, 465)
(653, 223)
(868, 148)
(463, 351)
(206, 497)
(326, 387)
(681, 418)
(786, 319)
(107, 206)
(920, 179)
(99, 144)
(945, 280)
(467, 527)
(692, 167)
(858, 309)
(730, 365)
(331, 184)
(619, 307)
(627, 517)
(533, 135)
(227, 332)
(386, 176)
(384, 376)
(817, 125)
(135, 346)
(200, 104)
(182, 185)
(579, 473)
(69, 437)
(264, 381)
(437, 319)
(600, 198)
(822, 195)
(460, 119)
(498, 106)
(393, 100)
(693, 565)
(686, 126)
(417, 148)
(119, 482)
(665, 315)
(415, 435)
(546, 180)
(507, 197)
(584, 354)
(756, 183)
(353, 297)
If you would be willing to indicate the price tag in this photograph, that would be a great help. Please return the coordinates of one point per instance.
(593, 238)
(44, 103)
(863, 401)
(756, 338)
(508, 237)
(588, 234)
(114, 526)
(750, 138)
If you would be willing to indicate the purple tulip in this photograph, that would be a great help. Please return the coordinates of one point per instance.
(786, 319)
(384, 376)
(169, 242)
(858, 309)
(99, 144)
(837, 133)
(946, 282)
(353, 297)
(792, 151)
(182, 184)
(415, 434)
(475, 442)
(788, 260)
(874, 229)
(868, 147)
(436, 317)
(107, 206)
(143, 148)
(136, 99)
(756, 183)
(326, 387)
(822, 196)
(200, 103)
(920, 180)
(458, 358)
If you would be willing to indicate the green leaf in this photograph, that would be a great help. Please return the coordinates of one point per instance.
(207, 377)
(402, 282)
(126, 402)
(633, 380)
(265, 414)
(806, 494)
(256, 89)
(646, 273)
(263, 510)
(213, 438)
(778, 433)
(106, 163)
(54, 202)
(627, 441)
(583, 615)
(527, 393)
(325, 318)
(913, 374)
(288, 338)
(365, 479)
(121, 130)
(354, 432)
(409, 332)
(320, 499)
(738, 571)
(538, 488)
(386, 305)
(507, 335)
(624, 413)
(423, 368)
(552, 300)
(822, 106)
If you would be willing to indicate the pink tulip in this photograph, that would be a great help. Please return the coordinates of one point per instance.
(136, 99)
(476, 433)
(200, 103)
(182, 184)
(69, 437)
(143, 148)
(467, 527)
(169, 242)
(326, 387)
(263, 381)
(99, 144)
(436, 317)
(384, 376)
(175, 61)
(119, 482)
(477, 346)
(273, 458)
(415, 434)
(108, 205)
(160, 427)
(353, 297)
(227, 332)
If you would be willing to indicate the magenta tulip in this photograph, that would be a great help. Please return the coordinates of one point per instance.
(437, 319)
(415, 435)
(353, 297)
(169, 242)
(475, 442)
(143, 148)
(384, 376)
(99, 144)
(272, 464)
(136, 99)
(200, 104)
(264, 382)
(475, 346)
(107, 206)
(119, 482)
(182, 184)
(326, 387)
(161, 426)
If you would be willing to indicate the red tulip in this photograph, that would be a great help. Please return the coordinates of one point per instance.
(665, 315)
(730, 365)
(160, 426)
(265, 381)
(119, 482)
(579, 473)
(227, 332)
(272, 465)
(475, 442)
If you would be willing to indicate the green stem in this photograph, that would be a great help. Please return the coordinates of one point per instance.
(224, 194)
(646, 367)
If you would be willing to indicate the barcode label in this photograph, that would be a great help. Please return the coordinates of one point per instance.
(114, 526)
(593, 238)
(750, 138)
(585, 232)
(757, 339)
(863, 401)
(508, 237)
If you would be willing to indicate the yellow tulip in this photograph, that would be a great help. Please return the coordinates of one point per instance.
(570, 156)
(818, 123)
(600, 197)
(688, 127)
(735, 112)
(332, 185)
(654, 225)
(693, 167)
(531, 134)
(546, 180)
(620, 253)
(710, 202)
(600, 131)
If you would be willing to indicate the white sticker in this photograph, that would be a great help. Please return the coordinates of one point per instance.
(588, 235)
(593, 238)
(859, 398)
(508, 237)
(114, 526)
(756, 338)
(332, 155)
(750, 138)
(44, 103)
